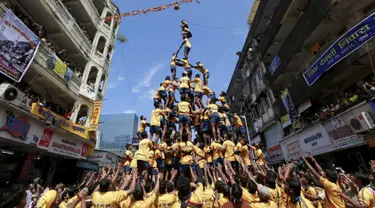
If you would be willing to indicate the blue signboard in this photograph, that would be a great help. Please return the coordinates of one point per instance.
(288, 103)
(275, 64)
(344, 46)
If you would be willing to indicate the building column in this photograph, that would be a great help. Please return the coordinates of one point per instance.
(98, 79)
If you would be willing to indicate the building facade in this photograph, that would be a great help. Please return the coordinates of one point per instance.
(304, 81)
(54, 99)
(117, 131)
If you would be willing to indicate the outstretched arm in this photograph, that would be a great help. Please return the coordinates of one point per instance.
(312, 170)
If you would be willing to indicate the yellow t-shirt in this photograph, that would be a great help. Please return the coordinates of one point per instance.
(187, 42)
(166, 200)
(366, 197)
(245, 155)
(237, 121)
(251, 198)
(183, 107)
(152, 157)
(187, 149)
(260, 156)
(312, 191)
(276, 196)
(217, 150)
(186, 64)
(226, 120)
(128, 157)
(198, 85)
(184, 82)
(302, 203)
(228, 146)
(69, 202)
(207, 91)
(195, 199)
(110, 199)
(222, 99)
(162, 147)
(208, 154)
(202, 69)
(222, 200)
(143, 150)
(222, 118)
(269, 204)
(155, 117)
(47, 199)
(147, 203)
(142, 126)
(238, 149)
(208, 197)
(201, 156)
(212, 108)
(333, 197)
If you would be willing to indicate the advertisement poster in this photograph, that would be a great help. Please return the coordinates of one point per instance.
(95, 116)
(288, 104)
(45, 138)
(18, 46)
(341, 48)
(59, 67)
(67, 148)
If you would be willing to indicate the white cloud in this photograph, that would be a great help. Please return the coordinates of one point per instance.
(120, 78)
(130, 111)
(146, 82)
(111, 86)
(149, 95)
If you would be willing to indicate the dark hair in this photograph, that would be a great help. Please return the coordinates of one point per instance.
(183, 187)
(169, 187)
(128, 145)
(69, 191)
(104, 185)
(167, 78)
(226, 190)
(138, 193)
(197, 75)
(236, 192)
(271, 179)
(148, 186)
(243, 180)
(331, 176)
(183, 98)
(219, 186)
(313, 180)
(223, 93)
(363, 178)
(252, 187)
(294, 185)
(163, 184)
(184, 74)
(142, 117)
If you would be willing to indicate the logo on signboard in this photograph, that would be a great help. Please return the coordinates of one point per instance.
(17, 127)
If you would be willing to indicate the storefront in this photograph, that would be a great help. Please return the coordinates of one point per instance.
(272, 136)
(313, 139)
(104, 158)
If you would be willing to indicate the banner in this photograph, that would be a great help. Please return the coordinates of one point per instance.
(59, 121)
(95, 116)
(341, 48)
(55, 64)
(274, 64)
(287, 101)
(18, 46)
(67, 148)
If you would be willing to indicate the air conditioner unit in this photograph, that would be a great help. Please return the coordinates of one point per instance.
(361, 122)
(11, 94)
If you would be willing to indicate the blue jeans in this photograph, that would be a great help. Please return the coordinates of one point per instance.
(184, 119)
(160, 163)
(215, 118)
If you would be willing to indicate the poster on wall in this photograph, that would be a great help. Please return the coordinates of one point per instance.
(45, 138)
(67, 147)
(95, 116)
(288, 104)
(315, 139)
(18, 46)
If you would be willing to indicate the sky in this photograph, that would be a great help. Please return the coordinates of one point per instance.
(140, 65)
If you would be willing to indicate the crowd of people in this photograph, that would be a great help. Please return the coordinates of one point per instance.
(217, 167)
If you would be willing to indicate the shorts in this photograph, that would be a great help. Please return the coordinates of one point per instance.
(171, 94)
(163, 121)
(127, 168)
(198, 94)
(230, 129)
(225, 109)
(155, 129)
(168, 167)
(188, 70)
(241, 131)
(215, 118)
(212, 96)
(223, 129)
(217, 161)
(160, 164)
(163, 93)
(171, 126)
(184, 119)
(153, 171)
(210, 164)
(184, 168)
(175, 163)
(173, 68)
(234, 164)
(206, 126)
(206, 75)
(197, 128)
(142, 165)
(184, 90)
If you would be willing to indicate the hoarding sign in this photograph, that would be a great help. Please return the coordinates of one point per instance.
(341, 48)
(275, 64)
(18, 46)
